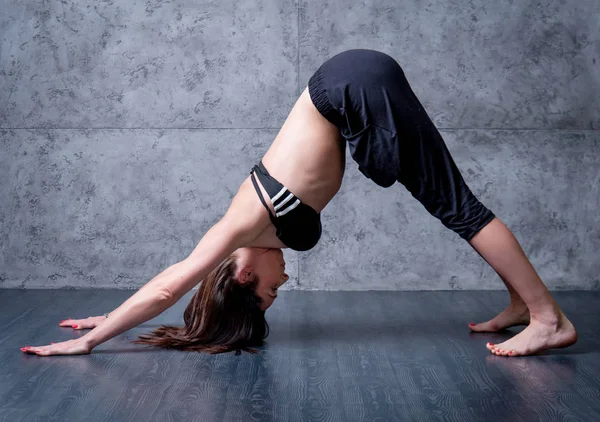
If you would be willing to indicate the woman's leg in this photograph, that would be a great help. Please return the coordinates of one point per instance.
(548, 327)
(429, 172)
(516, 313)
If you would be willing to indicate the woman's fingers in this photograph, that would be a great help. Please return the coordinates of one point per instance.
(70, 347)
(81, 324)
(66, 322)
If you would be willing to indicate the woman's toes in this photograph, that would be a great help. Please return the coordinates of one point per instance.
(481, 327)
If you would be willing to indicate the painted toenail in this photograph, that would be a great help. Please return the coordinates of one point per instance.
(491, 344)
(472, 325)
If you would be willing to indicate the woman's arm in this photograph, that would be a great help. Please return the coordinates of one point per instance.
(143, 305)
(243, 223)
(166, 272)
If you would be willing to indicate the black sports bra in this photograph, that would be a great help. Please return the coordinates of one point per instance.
(298, 225)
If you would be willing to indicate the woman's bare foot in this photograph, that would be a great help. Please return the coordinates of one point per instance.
(542, 333)
(511, 316)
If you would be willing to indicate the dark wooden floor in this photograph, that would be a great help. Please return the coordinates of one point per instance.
(331, 356)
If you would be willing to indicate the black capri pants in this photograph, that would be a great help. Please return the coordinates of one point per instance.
(366, 95)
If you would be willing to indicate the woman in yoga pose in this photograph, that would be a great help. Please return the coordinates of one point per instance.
(360, 98)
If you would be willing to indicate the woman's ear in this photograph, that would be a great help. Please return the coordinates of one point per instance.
(246, 274)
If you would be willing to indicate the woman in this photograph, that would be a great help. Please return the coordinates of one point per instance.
(362, 98)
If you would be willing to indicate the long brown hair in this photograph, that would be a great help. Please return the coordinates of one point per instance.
(223, 315)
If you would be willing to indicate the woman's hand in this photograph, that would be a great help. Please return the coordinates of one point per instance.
(77, 346)
(72, 347)
(82, 324)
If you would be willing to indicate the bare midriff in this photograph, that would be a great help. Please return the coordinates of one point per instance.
(308, 155)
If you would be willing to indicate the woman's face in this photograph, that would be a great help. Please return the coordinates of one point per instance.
(268, 265)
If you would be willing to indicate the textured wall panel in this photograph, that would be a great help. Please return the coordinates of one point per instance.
(113, 208)
(544, 185)
(147, 64)
(475, 64)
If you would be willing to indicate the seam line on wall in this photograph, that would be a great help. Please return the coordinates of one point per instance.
(298, 50)
(278, 128)
(140, 128)
(297, 95)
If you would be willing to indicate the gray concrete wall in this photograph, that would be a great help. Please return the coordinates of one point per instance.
(126, 129)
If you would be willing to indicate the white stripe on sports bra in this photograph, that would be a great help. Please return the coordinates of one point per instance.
(276, 197)
(282, 203)
(288, 209)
